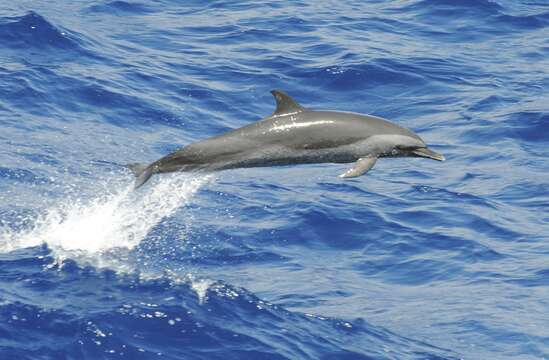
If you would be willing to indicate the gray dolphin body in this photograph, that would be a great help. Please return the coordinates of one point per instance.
(295, 135)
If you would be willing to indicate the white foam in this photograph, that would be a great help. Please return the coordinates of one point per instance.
(201, 288)
(118, 219)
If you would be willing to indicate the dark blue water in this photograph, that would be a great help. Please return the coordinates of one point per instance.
(416, 260)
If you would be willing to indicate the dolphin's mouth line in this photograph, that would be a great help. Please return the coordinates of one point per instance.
(428, 153)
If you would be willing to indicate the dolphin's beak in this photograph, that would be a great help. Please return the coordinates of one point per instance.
(428, 153)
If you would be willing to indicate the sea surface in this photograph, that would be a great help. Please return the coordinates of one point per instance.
(418, 259)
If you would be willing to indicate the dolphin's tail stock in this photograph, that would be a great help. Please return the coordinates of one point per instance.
(142, 173)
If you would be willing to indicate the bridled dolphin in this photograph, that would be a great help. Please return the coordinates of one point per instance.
(295, 135)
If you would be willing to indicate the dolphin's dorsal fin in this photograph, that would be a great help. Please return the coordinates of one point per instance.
(285, 104)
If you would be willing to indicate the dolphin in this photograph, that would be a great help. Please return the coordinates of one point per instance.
(295, 135)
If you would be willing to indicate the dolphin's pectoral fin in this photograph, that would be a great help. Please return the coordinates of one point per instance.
(285, 104)
(361, 167)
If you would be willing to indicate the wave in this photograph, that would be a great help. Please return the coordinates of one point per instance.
(120, 8)
(525, 126)
(455, 7)
(359, 76)
(101, 230)
(32, 31)
(174, 318)
(459, 20)
(522, 22)
(22, 176)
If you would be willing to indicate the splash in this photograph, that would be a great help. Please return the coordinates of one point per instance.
(91, 229)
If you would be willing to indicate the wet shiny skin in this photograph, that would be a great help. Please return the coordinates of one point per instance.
(295, 135)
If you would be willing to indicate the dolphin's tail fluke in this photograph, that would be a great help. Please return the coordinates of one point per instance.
(142, 173)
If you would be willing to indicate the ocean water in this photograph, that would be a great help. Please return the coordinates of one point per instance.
(416, 260)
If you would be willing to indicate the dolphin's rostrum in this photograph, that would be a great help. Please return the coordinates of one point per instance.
(295, 135)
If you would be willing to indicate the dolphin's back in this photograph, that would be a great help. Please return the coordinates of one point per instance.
(312, 129)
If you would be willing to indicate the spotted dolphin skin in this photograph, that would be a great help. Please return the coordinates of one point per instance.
(295, 135)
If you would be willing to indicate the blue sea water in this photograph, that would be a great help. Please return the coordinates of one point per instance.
(416, 260)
